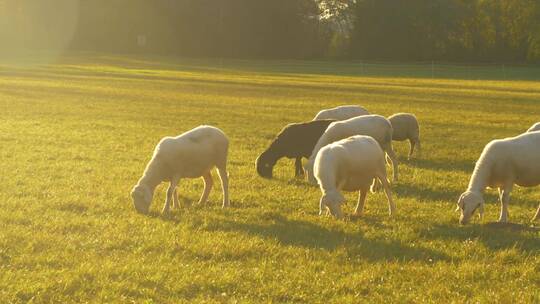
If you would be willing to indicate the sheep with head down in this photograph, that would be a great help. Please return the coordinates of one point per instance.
(294, 141)
(341, 113)
(351, 164)
(375, 126)
(406, 127)
(502, 164)
(190, 155)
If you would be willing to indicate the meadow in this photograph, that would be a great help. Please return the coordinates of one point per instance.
(76, 134)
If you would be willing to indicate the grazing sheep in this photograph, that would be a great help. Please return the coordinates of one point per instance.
(189, 155)
(502, 164)
(351, 164)
(375, 126)
(294, 141)
(406, 127)
(341, 113)
(534, 128)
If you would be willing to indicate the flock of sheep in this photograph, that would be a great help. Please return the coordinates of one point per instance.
(347, 149)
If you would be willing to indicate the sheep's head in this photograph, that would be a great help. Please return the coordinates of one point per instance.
(468, 203)
(264, 165)
(332, 201)
(142, 198)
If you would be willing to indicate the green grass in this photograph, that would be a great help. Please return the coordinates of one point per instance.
(76, 135)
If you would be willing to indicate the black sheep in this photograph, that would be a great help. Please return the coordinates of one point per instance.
(294, 141)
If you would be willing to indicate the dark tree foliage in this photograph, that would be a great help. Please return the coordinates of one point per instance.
(397, 30)
(462, 30)
(229, 28)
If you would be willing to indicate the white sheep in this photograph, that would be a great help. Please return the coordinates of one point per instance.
(351, 164)
(502, 164)
(406, 127)
(534, 128)
(189, 155)
(375, 126)
(341, 113)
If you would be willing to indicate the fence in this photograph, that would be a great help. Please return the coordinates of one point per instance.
(445, 70)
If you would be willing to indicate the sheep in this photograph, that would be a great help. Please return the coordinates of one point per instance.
(502, 164)
(190, 155)
(294, 141)
(375, 126)
(406, 127)
(534, 128)
(341, 113)
(351, 164)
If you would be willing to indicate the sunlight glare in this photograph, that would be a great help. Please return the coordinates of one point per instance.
(34, 32)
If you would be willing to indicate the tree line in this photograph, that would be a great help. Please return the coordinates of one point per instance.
(400, 30)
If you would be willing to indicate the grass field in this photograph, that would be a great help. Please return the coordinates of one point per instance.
(76, 135)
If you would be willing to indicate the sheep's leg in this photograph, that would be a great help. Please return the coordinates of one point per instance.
(359, 211)
(386, 186)
(176, 204)
(537, 215)
(208, 184)
(322, 207)
(504, 196)
(412, 143)
(393, 158)
(170, 193)
(418, 147)
(224, 177)
(299, 170)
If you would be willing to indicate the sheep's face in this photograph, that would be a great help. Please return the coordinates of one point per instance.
(332, 201)
(264, 166)
(468, 203)
(142, 198)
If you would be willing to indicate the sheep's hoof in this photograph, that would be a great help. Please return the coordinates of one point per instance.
(165, 212)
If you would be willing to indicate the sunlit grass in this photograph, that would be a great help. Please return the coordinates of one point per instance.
(76, 136)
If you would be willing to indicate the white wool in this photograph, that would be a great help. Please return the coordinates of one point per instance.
(503, 164)
(534, 128)
(350, 164)
(406, 127)
(375, 126)
(341, 113)
(190, 155)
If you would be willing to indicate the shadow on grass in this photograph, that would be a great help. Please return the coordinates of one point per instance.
(464, 166)
(308, 235)
(495, 236)
(451, 196)
(173, 216)
(423, 193)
